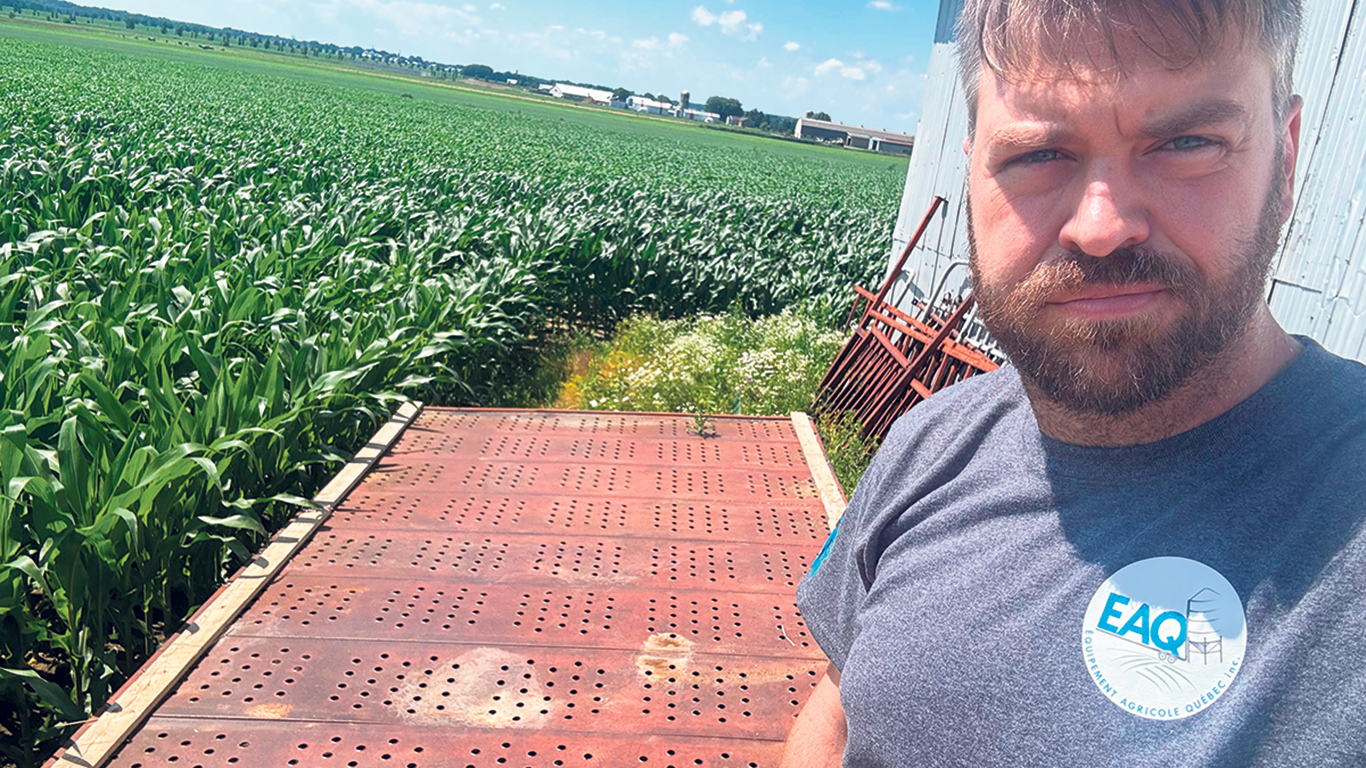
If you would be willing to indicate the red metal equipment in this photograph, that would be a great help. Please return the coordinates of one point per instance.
(893, 360)
(517, 589)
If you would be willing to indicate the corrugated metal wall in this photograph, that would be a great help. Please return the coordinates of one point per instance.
(1319, 285)
(936, 168)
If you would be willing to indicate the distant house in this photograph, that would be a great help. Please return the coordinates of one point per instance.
(579, 93)
(513, 81)
(855, 136)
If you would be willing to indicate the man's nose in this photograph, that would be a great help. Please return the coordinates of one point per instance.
(1110, 214)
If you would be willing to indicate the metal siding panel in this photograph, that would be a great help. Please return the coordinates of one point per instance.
(1322, 264)
(937, 168)
(1297, 307)
(945, 30)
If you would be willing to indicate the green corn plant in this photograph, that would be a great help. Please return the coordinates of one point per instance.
(215, 284)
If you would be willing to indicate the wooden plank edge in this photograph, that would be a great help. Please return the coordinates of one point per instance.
(832, 495)
(98, 740)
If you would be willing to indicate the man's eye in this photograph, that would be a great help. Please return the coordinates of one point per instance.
(1039, 156)
(1187, 143)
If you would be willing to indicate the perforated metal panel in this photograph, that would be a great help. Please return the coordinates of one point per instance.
(527, 588)
(170, 741)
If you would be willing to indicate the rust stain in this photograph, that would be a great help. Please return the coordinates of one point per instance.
(270, 711)
(581, 577)
(664, 655)
(485, 686)
(667, 643)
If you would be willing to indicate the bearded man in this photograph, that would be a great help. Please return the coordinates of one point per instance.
(1142, 543)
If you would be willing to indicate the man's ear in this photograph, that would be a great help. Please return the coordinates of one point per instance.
(1290, 142)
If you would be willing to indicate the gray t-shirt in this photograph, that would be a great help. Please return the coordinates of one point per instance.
(978, 570)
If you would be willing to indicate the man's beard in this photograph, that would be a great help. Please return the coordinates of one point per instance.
(1115, 367)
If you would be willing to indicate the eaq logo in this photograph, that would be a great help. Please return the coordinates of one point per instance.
(1163, 638)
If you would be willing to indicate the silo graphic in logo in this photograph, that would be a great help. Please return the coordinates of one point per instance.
(1163, 638)
(1202, 627)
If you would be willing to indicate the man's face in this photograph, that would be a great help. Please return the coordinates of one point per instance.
(1122, 227)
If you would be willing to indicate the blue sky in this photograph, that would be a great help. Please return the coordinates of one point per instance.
(863, 62)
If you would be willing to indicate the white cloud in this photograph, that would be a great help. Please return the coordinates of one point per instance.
(791, 46)
(872, 66)
(827, 66)
(548, 43)
(883, 5)
(497, 7)
(763, 62)
(849, 72)
(645, 54)
(733, 23)
(413, 19)
(653, 43)
(732, 20)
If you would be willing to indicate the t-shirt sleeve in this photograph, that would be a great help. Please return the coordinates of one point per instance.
(921, 450)
(834, 588)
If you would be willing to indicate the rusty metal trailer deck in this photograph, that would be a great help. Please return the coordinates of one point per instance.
(525, 588)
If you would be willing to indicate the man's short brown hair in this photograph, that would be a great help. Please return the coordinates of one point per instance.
(1014, 36)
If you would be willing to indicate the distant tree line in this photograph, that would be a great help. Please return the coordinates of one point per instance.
(721, 105)
(221, 36)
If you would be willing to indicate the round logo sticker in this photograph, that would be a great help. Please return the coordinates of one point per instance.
(1163, 638)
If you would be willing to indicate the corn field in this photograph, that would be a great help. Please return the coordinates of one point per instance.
(213, 283)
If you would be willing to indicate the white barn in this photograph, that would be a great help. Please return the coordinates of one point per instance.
(700, 115)
(579, 93)
(649, 106)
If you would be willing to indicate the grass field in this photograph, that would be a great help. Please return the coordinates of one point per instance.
(219, 270)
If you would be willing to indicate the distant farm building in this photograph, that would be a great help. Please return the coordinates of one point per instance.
(855, 136)
(579, 93)
(648, 106)
(700, 115)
